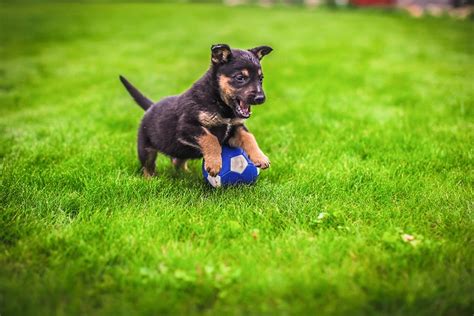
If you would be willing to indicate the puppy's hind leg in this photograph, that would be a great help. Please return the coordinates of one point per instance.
(149, 163)
(147, 155)
(180, 163)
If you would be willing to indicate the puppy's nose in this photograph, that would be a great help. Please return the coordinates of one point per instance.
(259, 99)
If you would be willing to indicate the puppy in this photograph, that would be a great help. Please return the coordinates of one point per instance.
(211, 113)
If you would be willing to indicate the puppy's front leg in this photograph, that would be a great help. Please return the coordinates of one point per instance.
(211, 150)
(243, 138)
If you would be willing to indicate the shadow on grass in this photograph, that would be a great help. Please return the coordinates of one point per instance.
(193, 180)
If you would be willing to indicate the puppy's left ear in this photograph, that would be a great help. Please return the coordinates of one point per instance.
(221, 53)
(261, 51)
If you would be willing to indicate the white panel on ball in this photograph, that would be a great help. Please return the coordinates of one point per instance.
(238, 164)
(214, 181)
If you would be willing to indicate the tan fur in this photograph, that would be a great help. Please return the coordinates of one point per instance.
(211, 150)
(147, 174)
(209, 120)
(236, 121)
(247, 141)
(245, 72)
(259, 71)
(225, 56)
(226, 90)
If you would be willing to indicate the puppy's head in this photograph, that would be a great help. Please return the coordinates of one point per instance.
(239, 76)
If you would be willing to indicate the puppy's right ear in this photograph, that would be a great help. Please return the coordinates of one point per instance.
(261, 51)
(221, 54)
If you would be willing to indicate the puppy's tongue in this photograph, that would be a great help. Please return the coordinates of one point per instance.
(244, 108)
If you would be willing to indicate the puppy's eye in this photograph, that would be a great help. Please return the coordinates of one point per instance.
(240, 78)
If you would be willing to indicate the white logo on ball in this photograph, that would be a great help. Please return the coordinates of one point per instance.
(238, 164)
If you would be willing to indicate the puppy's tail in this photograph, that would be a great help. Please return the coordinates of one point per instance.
(139, 98)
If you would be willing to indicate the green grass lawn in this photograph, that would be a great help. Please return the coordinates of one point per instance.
(368, 123)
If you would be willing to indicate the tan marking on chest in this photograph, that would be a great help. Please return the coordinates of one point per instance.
(236, 121)
(212, 119)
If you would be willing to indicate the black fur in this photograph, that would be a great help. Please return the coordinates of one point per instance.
(173, 125)
(139, 98)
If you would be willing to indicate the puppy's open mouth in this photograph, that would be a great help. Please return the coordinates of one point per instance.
(242, 109)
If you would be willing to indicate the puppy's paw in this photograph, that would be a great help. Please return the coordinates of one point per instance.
(213, 166)
(147, 174)
(260, 160)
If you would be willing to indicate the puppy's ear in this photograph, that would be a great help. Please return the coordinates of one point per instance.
(261, 51)
(221, 53)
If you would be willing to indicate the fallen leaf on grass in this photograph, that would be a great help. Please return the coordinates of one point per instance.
(410, 239)
(255, 234)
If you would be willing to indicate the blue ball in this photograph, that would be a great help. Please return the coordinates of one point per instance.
(237, 168)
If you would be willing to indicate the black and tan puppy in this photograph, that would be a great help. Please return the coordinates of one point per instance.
(211, 113)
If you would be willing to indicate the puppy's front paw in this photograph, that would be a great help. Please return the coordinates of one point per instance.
(261, 161)
(213, 166)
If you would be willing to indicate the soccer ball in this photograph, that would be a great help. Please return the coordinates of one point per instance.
(237, 168)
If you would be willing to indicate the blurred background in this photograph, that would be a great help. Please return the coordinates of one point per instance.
(456, 8)
(417, 8)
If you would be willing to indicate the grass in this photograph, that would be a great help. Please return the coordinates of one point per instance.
(368, 123)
